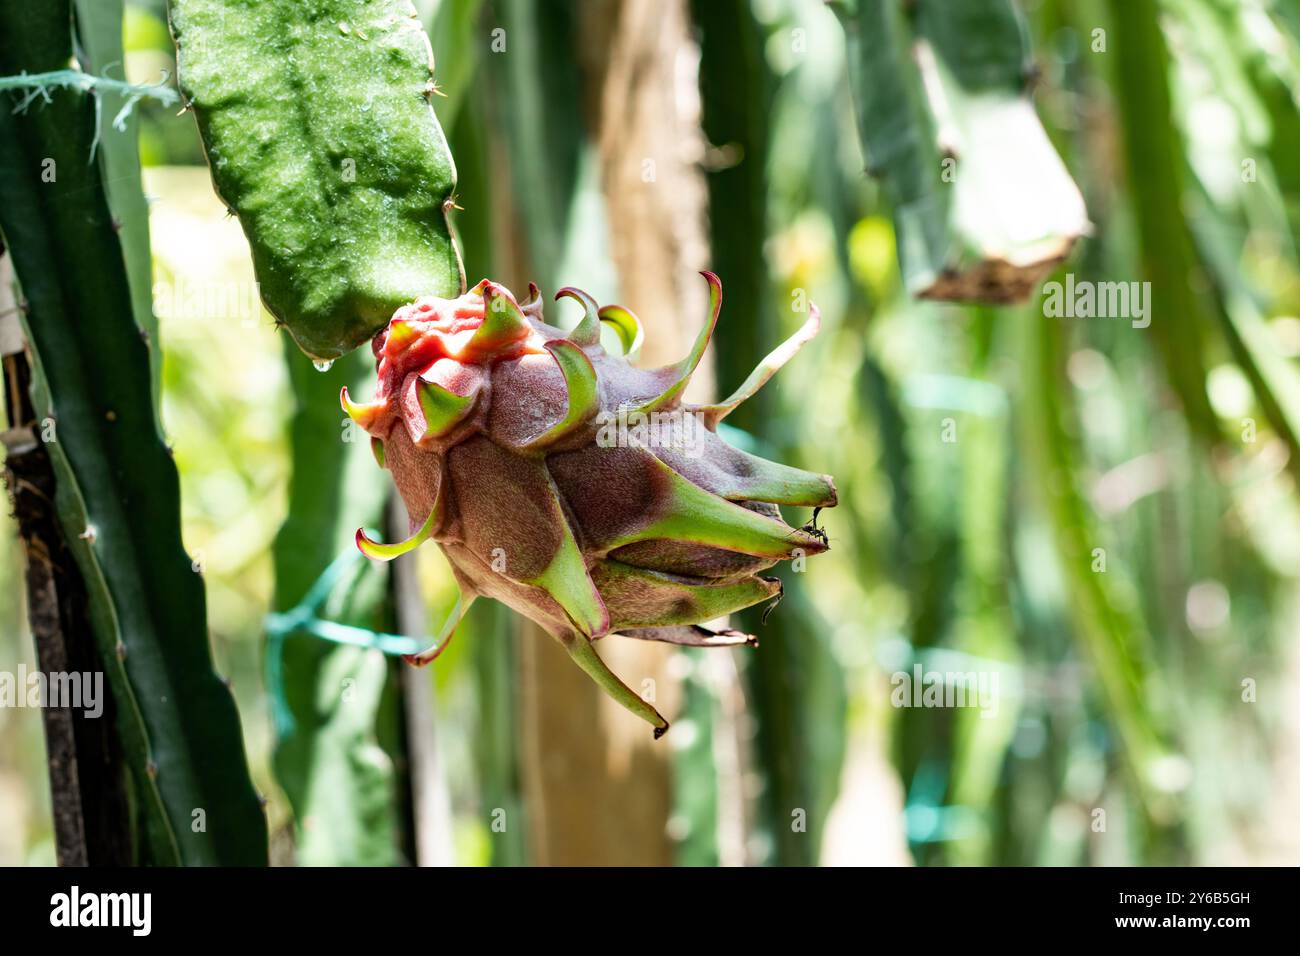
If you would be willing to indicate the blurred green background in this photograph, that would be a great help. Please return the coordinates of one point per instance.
(1149, 713)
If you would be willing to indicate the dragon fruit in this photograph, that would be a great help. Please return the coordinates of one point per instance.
(575, 488)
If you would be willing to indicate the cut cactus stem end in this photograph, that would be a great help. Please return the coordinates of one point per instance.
(984, 208)
(508, 433)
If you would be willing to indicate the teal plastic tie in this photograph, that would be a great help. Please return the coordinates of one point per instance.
(302, 619)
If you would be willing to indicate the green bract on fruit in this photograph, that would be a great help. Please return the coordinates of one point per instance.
(578, 490)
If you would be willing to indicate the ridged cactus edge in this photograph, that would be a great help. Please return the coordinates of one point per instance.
(118, 491)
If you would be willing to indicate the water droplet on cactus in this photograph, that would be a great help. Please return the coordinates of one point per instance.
(323, 365)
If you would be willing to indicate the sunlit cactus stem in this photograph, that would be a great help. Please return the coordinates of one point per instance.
(329, 152)
(983, 206)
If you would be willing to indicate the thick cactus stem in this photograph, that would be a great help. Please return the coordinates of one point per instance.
(983, 206)
(330, 154)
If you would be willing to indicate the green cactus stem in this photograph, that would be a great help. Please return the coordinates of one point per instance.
(99, 40)
(983, 206)
(118, 493)
(318, 127)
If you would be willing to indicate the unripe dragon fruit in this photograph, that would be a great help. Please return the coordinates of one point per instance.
(573, 487)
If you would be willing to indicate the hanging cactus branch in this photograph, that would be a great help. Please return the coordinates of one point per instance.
(321, 137)
(983, 206)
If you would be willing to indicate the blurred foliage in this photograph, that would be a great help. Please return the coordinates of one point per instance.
(983, 455)
(339, 750)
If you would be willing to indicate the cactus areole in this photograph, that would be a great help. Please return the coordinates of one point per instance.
(573, 487)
